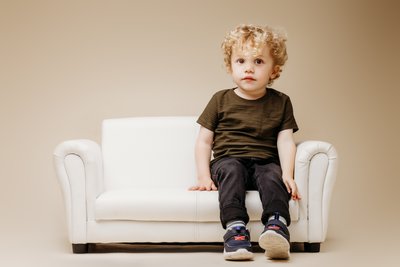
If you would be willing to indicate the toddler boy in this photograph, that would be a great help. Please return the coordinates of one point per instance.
(250, 130)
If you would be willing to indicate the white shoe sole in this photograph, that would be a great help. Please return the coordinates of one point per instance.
(275, 245)
(238, 255)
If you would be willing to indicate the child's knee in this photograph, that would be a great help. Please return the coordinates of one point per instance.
(230, 167)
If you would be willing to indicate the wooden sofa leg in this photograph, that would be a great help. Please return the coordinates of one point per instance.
(80, 248)
(312, 247)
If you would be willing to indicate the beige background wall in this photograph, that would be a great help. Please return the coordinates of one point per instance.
(67, 65)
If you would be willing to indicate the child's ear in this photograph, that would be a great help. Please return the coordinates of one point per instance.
(275, 71)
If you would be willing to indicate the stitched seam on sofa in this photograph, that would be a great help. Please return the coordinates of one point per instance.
(323, 186)
(323, 194)
(86, 204)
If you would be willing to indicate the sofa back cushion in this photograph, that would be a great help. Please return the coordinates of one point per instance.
(147, 152)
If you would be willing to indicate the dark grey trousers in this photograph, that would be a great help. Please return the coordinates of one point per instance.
(234, 176)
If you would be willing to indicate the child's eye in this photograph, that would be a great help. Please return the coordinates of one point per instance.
(258, 61)
(240, 60)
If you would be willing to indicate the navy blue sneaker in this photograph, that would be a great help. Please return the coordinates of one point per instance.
(237, 245)
(275, 239)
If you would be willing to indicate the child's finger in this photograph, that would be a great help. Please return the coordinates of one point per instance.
(213, 187)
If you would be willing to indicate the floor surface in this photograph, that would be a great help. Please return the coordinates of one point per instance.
(55, 251)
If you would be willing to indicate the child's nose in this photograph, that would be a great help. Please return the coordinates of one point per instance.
(249, 68)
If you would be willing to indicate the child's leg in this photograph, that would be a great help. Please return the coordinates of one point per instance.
(275, 238)
(273, 192)
(230, 176)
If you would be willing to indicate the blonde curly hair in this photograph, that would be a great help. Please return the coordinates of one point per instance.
(256, 36)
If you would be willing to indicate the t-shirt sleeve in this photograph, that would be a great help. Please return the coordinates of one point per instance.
(209, 117)
(289, 122)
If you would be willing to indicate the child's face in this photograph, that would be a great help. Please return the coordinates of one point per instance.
(252, 68)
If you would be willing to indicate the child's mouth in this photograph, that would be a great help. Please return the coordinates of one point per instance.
(248, 78)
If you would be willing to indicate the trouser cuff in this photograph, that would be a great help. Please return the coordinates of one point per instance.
(233, 213)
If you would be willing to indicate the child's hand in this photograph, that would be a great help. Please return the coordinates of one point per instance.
(292, 188)
(205, 184)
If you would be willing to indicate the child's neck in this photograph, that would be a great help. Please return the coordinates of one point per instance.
(250, 95)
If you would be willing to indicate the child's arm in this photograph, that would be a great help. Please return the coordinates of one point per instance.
(203, 156)
(287, 153)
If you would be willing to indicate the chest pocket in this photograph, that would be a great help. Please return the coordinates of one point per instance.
(270, 126)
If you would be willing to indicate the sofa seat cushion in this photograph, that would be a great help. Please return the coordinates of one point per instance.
(171, 204)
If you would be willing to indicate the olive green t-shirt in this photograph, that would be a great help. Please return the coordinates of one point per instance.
(247, 128)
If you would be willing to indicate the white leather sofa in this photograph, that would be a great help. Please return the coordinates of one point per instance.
(134, 187)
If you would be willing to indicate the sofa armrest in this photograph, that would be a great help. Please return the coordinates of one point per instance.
(315, 174)
(79, 170)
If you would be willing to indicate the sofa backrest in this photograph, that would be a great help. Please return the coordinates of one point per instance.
(149, 152)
